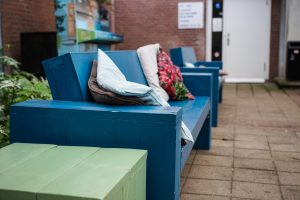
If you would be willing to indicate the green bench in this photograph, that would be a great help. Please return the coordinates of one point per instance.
(50, 172)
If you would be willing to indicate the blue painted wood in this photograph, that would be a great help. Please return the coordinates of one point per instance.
(80, 122)
(194, 121)
(215, 89)
(68, 74)
(181, 55)
(208, 64)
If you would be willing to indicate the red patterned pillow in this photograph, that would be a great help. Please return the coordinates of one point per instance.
(170, 78)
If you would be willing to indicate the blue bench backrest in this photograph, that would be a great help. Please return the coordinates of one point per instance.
(183, 55)
(68, 74)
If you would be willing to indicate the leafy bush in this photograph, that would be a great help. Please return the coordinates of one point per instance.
(16, 87)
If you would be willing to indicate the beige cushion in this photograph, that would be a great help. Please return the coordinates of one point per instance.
(148, 58)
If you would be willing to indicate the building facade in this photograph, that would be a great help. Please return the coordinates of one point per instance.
(140, 21)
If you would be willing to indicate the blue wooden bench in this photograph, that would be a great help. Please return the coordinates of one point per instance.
(183, 55)
(72, 118)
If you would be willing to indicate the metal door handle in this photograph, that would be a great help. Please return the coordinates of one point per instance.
(228, 39)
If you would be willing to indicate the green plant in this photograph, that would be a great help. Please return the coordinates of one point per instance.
(16, 87)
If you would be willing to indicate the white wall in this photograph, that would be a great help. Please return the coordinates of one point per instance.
(293, 20)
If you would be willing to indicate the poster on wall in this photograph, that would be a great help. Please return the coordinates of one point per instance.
(190, 15)
(83, 25)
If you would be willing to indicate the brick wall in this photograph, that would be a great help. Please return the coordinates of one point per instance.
(143, 22)
(24, 16)
(274, 44)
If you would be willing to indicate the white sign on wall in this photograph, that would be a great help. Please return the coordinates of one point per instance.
(190, 15)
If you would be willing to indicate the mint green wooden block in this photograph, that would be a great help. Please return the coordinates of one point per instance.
(17, 153)
(107, 174)
(33, 174)
(71, 173)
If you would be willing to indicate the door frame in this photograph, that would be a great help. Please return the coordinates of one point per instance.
(208, 29)
(209, 4)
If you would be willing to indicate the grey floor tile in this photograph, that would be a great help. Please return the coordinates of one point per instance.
(252, 153)
(202, 197)
(211, 172)
(257, 164)
(290, 192)
(208, 187)
(222, 143)
(218, 151)
(252, 145)
(285, 147)
(212, 160)
(286, 156)
(252, 137)
(287, 178)
(256, 191)
(283, 140)
(255, 176)
(288, 166)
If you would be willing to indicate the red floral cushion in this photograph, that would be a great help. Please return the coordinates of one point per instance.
(170, 78)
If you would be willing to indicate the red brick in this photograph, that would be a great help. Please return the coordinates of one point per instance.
(143, 22)
(24, 16)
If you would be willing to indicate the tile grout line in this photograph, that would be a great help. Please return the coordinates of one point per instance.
(233, 167)
(276, 171)
(187, 176)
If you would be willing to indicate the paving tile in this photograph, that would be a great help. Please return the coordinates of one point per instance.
(255, 176)
(285, 147)
(256, 191)
(186, 170)
(222, 143)
(202, 197)
(283, 140)
(219, 151)
(253, 164)
(252, 145)
(287, 178)
(288, 166)
(223, 135)
(224, 161)
(290, 192)
(252, 138)
(222, 129)
(211, 172)
(252, 153)
(286, 156)
(208, 187)
(250, 131)
(182, 181)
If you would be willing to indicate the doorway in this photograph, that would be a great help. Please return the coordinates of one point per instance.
(246, 40)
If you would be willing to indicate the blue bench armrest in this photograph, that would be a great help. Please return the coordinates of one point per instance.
(217, 64)
(199, 84)
(154, 128)
(204, 84)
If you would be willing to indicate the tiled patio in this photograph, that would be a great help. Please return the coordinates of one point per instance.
(255, 150)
